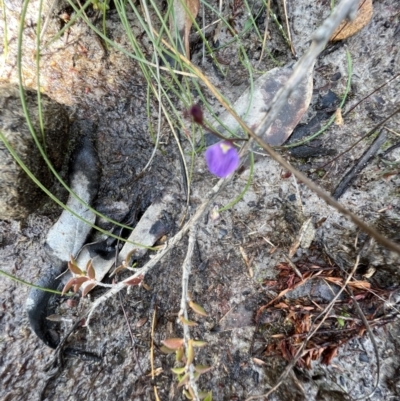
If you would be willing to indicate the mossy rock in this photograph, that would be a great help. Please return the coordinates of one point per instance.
(19, 195)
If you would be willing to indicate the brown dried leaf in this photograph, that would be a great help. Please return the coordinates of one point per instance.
(173, 343)
(73, 267)
(118, 269)
(251, 104)
(258, 361)
(338, 117)
(193, 9)
(329, 354)
(90, 272)
(141, 322)
(181, 22)
(75, 282)
(361, 285)
(347, 29)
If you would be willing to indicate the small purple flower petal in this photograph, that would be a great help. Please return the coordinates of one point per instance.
(222, 159)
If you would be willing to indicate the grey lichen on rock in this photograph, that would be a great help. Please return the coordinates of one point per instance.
(19, 195)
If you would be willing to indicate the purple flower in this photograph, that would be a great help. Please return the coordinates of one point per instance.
(222, 159)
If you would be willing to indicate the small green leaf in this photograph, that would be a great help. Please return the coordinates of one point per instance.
(187, 395)
(202, 369)
(166, 350)
(199, 343)
(209, 397)
(184, 380)
(187, 322)
(203, 394)
(180, 354)
(190, 353)
(197, 309)
(179, 371)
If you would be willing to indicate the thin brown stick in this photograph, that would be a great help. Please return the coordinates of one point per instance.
(153, 325)
(366, 97)
(288, 29)
(131, 334)
(370, 132)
